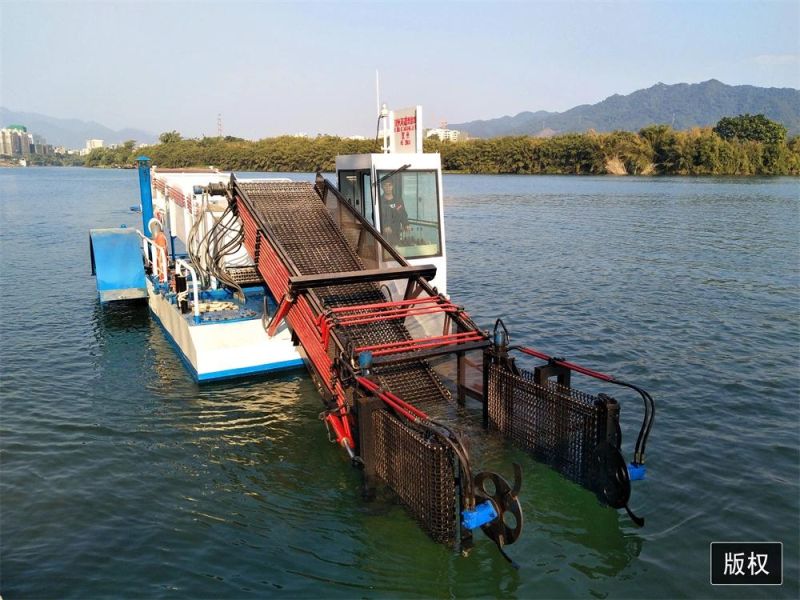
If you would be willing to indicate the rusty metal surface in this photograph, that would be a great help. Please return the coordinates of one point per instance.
(421, 472)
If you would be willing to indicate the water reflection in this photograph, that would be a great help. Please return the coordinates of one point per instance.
(604, 541)
(115, 457)
(118, 331)
(119, 317)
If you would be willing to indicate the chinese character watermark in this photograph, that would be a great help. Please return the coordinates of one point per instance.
(734, 563)
(757, 564)
(746, 563)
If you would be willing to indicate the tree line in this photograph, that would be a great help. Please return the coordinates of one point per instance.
(743, 145)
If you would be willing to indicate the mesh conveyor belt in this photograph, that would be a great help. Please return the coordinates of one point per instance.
(315, 244)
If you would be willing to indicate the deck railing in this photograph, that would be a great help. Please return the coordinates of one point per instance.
(180, 265)
(150, 250)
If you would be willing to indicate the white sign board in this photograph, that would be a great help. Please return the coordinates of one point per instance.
(406, 130)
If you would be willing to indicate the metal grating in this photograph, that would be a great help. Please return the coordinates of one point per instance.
(315, 244)
(245, 275)
(560, 426)
(303, 226)
(420, 471)
(418, 468)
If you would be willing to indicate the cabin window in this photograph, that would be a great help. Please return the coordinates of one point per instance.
(409, 211)
(366, 186)
(350, 189)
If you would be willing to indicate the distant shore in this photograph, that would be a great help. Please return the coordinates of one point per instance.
(654, 150)
(444, 171)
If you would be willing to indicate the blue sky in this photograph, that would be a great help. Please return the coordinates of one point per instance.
(272, 68)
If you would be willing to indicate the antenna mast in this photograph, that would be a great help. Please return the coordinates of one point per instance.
(219, 124)
(377, 92)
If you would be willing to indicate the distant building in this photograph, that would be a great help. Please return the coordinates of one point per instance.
(10, 143)
(444, 134)
(41, 147)
(91, 145)
(16, 141)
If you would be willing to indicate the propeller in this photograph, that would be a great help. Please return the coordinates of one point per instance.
(507, 526)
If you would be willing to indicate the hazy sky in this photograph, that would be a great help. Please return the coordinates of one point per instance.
(271, 67)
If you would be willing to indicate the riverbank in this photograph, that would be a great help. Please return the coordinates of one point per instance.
(655, 150)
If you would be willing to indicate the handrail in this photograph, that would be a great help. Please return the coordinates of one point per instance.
(182, 264)
(148, 255)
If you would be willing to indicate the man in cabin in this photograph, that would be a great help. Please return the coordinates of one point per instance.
(394, 218)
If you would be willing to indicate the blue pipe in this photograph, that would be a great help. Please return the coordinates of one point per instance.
(145, 192)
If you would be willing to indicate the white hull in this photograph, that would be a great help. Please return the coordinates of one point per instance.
(224, 350)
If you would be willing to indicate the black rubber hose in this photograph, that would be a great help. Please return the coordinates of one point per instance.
(647, 422)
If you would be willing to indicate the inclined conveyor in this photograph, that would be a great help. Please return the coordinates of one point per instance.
(392, 357)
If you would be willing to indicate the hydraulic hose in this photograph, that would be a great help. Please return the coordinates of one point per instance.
(649, 403)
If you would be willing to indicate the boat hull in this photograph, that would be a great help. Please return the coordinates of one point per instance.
(225, 350)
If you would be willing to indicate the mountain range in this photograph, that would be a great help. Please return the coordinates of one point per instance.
(682, 105)
(71, 133)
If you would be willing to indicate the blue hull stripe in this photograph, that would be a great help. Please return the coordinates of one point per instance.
(265, 368)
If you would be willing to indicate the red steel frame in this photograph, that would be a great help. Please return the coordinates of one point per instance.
(363, 314)
(565, 363)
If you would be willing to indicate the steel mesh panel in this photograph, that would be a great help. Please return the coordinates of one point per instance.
(558, 425)
(315, 244)
(303, 226)
(420, 471)
(244, 275)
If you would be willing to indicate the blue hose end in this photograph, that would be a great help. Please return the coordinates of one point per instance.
(636, 472)
(365, 360)
(481, 515)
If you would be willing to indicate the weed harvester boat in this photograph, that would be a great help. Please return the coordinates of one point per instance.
(353, 277)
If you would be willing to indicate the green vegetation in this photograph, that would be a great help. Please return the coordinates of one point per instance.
(744, 145)
(751, 127)
(123, 155)
(285, 153)
(169, 137)
(657, 149)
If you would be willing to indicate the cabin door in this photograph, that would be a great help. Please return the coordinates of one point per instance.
(366, 194)
(356, 187)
